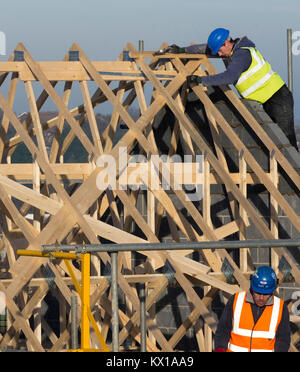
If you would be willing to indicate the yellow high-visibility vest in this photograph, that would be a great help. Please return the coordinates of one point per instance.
(259, 82)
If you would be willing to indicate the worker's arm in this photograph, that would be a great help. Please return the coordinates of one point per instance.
(239, 62)
(192, 49)
(235, 66)
(224, 328)
(198, 49)
(283, 334)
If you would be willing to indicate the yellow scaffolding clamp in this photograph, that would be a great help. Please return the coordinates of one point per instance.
(83, 291)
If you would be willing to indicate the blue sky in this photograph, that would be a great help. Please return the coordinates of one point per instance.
(102, 28)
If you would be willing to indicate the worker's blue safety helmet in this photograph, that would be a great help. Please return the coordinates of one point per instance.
(264, 280)
(216, 39)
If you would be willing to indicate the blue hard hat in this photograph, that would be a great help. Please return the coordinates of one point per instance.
(264, 280)
(217, 38)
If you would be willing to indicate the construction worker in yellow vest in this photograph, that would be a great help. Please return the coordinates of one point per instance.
(255, 320)
(251, 75)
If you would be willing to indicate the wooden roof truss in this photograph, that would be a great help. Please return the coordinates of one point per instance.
(76, 214)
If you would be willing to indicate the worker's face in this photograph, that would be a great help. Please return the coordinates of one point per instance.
(225, 49)
(260, 299)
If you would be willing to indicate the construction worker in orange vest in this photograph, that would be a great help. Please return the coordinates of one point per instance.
(255, 320)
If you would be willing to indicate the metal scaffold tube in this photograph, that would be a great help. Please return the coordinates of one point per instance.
(74, 325)
(233, 244)
(114, 302)
(290, 59)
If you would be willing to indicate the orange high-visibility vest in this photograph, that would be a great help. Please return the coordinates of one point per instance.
(246, 336)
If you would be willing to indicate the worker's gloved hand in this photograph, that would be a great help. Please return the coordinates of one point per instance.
(220, 350)
(193, 79)
(174, 49)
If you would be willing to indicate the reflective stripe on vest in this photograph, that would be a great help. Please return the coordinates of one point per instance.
(259, 82)
(260, 336)
(239, 349)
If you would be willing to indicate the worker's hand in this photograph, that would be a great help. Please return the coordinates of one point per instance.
(193, 79)
(220, 350)
(174, 49)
